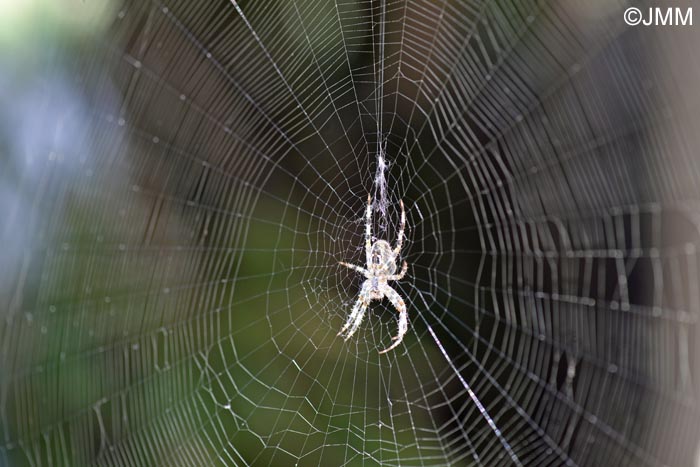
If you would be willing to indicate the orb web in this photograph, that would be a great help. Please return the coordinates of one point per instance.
(173, 292)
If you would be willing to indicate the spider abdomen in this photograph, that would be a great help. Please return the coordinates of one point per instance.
(383, 259)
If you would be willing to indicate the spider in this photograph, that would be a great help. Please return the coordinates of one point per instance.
(381, 268)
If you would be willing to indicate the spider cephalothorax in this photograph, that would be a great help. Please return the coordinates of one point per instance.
(381, 268)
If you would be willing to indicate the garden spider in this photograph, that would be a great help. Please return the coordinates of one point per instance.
(381, 268)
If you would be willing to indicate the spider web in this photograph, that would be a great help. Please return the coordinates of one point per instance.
(171, 287)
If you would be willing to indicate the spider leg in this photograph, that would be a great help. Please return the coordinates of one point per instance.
(368, 231)
(358, 312)
(400, 306)
(359, 269)
(358, 318)
(399, 241)
(399, 276)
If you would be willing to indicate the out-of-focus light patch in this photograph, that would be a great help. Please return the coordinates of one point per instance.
(596, 9)
(23, 23)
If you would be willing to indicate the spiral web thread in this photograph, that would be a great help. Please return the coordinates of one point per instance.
(177, 296)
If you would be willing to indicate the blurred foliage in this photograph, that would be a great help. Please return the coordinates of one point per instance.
(25, 25)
